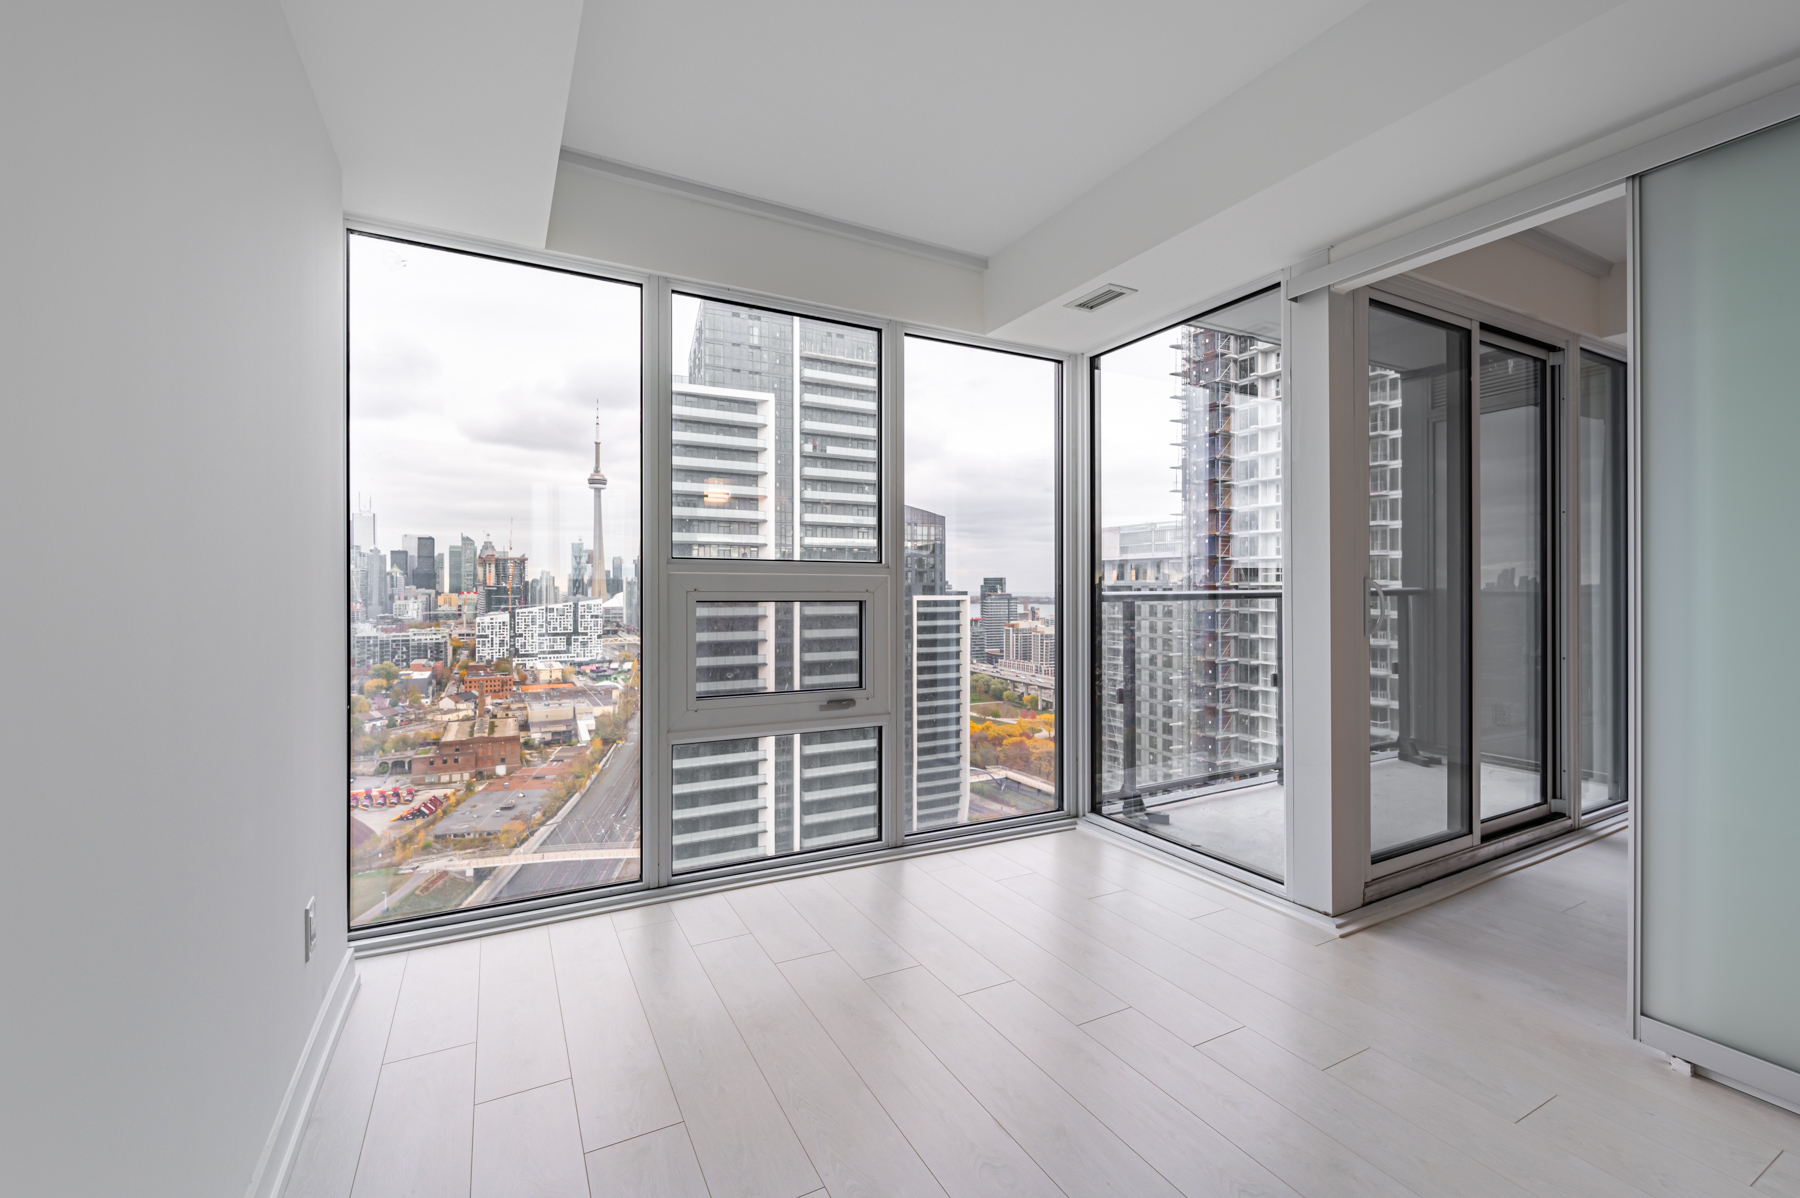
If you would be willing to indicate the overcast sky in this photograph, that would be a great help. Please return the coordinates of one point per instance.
(473, 387)
(981, 451)
(474, 384)
(1139, 458)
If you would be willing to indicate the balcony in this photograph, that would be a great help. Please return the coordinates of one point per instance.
(1190, 718)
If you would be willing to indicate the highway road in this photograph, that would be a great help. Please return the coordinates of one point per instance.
(606, 814)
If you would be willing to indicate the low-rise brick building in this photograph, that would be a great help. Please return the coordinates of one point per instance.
(488, 685)
(470, 749)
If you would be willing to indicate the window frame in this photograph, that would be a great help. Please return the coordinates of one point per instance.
(1626, 668)
(1071, 654)
(682, 581)
(408, 930)
(1491, 324)
(1090, 537)
(669, 714)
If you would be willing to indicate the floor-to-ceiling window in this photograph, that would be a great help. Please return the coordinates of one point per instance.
(494, 580)
(978, 604)
(1188, 430)
(785, 667)
(780, 714)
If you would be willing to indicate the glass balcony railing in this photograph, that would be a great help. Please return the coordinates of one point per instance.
(1190, 737)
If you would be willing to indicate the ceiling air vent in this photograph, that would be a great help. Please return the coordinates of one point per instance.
(1101, 297)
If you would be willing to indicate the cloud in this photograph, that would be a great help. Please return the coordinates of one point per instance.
(473, 387)
(981, 452)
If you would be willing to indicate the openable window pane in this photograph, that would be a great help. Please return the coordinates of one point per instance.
(1602, 646)
(980, 605)
(1417, 592)
(493, 580)
(746, 798)
(1189, 429)
(759, 648)
(776, 435)
(1510, 625)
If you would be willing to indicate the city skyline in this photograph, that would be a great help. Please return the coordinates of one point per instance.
(449, 439)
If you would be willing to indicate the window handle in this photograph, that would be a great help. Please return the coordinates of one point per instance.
(837, 704)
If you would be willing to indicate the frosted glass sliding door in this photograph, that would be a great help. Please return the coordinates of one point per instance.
(1719, 812)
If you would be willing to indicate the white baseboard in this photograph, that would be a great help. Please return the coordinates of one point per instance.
(277, 1156)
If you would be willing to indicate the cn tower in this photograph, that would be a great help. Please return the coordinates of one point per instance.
(597, 483)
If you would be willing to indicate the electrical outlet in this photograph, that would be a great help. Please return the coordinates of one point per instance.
(312, 929)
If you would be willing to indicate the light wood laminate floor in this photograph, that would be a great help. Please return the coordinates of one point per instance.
(1055, 1015)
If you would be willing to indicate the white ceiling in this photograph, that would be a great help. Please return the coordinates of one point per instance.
(444, 113)
(952, 122)
(1598, 230)
(1181, 149)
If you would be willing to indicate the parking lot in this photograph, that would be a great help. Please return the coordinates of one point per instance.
(486, 812)
(378, 819)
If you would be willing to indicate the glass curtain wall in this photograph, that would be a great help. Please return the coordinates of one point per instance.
(494, 565)
(1188, 423)
(776, 435)
(979, 614)
(1418, 603)
(1602, 648)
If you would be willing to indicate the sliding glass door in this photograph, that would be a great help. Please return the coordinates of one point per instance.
(1420, 783)
(1512, 577)
(1476, 432)
(1601, 645)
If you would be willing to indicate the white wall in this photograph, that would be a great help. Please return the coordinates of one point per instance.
(171, 362)
(600, 217)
